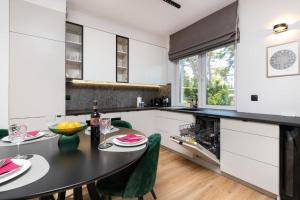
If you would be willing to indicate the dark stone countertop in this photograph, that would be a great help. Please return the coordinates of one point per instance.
(108, 110)
(272, 119)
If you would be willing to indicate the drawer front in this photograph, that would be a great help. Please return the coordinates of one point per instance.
(269, 130)
(264, 149)
(111, 115)
(256, 173)
(189, 118)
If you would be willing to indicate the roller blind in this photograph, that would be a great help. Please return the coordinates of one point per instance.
(212, 31)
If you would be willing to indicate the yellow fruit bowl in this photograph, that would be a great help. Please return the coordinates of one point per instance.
(67, 128)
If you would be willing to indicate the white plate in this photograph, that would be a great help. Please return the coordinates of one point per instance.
(40, 134)
(25, 165)
(119, 143)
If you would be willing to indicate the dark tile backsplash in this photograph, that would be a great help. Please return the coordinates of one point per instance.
(82, 96)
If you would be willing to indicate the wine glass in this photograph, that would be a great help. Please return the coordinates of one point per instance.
(105, 128)
(17, 134)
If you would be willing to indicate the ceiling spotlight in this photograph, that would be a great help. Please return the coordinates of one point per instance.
(279, 28)
(173, 3)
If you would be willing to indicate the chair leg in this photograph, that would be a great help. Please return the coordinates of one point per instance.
(153, 194)
(49, 197)
(77, 193)
(61, 195)
(141, 198)
(93, 191)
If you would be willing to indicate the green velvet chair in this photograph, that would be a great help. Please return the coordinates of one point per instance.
(3, 133)
(121, 123)
(136, 180)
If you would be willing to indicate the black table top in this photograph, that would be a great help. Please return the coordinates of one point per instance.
(69, 170)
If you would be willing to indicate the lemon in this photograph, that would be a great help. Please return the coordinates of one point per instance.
(62, 125)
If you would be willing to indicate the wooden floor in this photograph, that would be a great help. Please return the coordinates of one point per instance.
(180, 179)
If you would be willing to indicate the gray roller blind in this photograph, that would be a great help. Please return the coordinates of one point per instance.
(212, 31)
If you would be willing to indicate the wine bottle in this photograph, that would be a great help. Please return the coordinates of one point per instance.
(95, 126)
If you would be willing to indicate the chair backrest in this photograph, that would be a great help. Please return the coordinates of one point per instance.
(142, 179)
(121, 123)
(3, 133)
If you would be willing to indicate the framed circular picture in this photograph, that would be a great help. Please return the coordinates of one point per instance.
(283, 60)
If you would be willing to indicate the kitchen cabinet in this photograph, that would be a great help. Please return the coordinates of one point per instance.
(167, 123)
(80, 118)
(148, 63)
(74, 47)
(99, 55)
(122, 54)
(34, 123)
(250, 152)
(37, 19)
(141, 120)
(36, 78)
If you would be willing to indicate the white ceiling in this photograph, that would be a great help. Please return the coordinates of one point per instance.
(154, 16)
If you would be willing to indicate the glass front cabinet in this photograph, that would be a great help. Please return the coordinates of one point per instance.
(74, 51)
(122, 56)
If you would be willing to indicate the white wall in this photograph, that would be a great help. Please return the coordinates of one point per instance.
(4, 62)
(280, 95)
(115, 27)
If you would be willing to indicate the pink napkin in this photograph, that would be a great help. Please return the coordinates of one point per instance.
(130, 137)
(8, 167)
(32, 133)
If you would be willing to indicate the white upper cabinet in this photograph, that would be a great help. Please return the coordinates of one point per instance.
(99, 55)
(38, 18)
(37, 77)
(147, 63)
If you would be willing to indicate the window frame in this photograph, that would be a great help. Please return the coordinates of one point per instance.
(202, 83)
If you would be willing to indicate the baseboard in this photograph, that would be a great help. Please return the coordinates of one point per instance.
(267, 193)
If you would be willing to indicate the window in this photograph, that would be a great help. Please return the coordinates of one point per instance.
(188, 80)
(220, 79)
(217, 86)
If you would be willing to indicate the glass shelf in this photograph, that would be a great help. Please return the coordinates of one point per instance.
(74, 51)
(122, 65)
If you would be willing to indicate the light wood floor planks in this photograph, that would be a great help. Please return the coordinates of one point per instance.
(180, 179)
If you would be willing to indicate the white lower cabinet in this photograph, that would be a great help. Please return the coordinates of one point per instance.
(34, 123)
(80, 118)
(140, 120)
(163, 122)
(167, 123)
(250, 152)
(111, 115)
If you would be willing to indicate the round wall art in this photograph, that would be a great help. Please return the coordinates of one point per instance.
(283, 60)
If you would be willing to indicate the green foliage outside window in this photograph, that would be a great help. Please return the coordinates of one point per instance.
(220, 76)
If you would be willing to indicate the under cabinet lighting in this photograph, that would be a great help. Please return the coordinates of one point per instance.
(279, 28)
(101, 83)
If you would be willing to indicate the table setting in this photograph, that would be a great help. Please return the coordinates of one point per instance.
(29, 160)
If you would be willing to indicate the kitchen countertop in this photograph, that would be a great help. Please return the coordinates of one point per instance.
(272, 119)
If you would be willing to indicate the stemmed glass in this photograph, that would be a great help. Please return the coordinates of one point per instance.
(105, 128)
(17, 134)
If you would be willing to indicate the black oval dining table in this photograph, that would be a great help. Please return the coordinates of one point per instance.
(70, 170)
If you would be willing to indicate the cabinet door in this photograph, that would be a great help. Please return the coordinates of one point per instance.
(99, 55)
(140, 120)
(37, 81)
(33, 19)
(147, 63)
